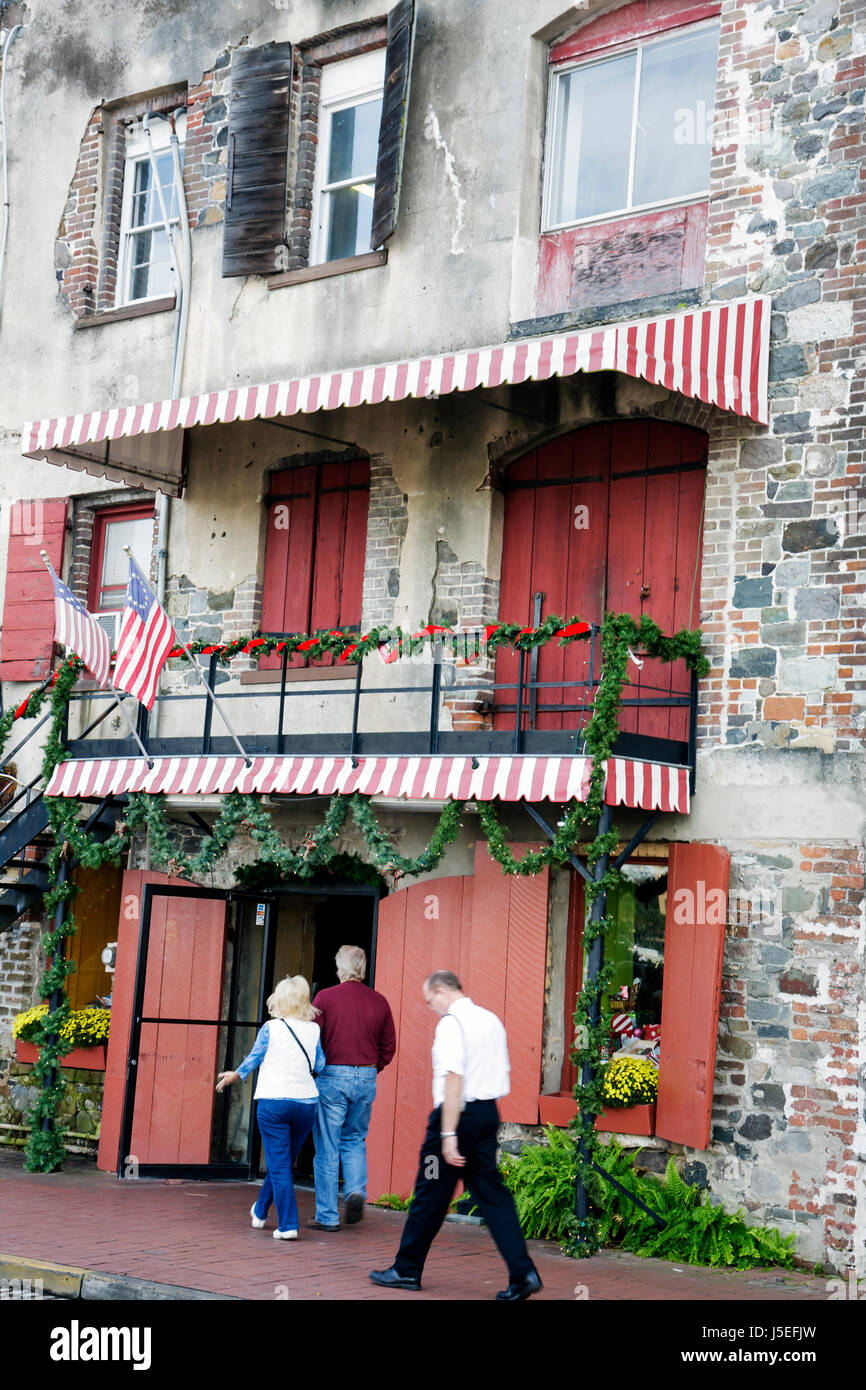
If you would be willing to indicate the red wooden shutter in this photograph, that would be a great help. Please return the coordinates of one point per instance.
(421, 928)
(314, 554)
(694, 949)
(28, 607)
(505, 971)
(177, 1062)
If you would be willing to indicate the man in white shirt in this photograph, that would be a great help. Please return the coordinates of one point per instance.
(470, 1073)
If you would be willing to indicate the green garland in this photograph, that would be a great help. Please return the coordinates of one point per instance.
(145, 812)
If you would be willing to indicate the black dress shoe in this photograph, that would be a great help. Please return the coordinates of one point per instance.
(530, 1285)
(390, 1279)
(354, 1209)
(317, 1226)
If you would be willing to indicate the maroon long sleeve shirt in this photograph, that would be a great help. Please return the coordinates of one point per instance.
(357, 1026)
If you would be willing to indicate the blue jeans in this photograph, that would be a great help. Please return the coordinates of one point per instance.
(284, 1126)
(346, 1097)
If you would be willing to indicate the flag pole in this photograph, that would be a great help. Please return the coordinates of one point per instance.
(213, 699)
(111, 687)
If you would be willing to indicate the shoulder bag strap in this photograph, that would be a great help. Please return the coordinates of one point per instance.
(301, 1046)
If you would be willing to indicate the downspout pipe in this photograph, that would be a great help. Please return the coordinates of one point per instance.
(183, 267)
(7, 44)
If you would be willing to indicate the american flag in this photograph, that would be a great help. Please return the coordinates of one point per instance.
(146, 638)
(79, 631)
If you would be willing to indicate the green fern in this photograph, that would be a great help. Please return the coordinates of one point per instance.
(697, 1232)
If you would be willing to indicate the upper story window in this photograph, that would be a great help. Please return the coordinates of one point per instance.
(632, 130)
(350, 112)
(150, 204)
(113, 528)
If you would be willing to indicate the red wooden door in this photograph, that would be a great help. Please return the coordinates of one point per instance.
(177, 1062)
(314, 557)
(605, 519)
(694, 948)
(491, 930)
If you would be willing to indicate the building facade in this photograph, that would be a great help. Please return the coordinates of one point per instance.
(336, 336)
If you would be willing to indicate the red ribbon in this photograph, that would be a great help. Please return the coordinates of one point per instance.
(345, 652)
(259, 642)
(574, 630)
(305, 646)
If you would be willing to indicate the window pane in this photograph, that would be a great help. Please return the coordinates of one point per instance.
(151, 272)
(137, 533)
(675, 110)
(146, 207)
(592, 140)
(351, 219)
(354, 141)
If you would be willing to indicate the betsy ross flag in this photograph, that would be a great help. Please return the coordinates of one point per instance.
(79, 631)
(146, 638)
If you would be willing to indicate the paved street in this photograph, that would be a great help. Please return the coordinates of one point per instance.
(198, 1235)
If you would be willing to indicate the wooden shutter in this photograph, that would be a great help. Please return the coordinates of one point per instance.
(27, 644)
(314, 555)
(254, 239)
(421, 928)
(177, 1062)
(694, 949)
(505, 970)
(392, 128)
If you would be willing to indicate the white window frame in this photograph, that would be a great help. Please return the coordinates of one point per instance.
(592, 60)
(138, 147)
(346, 83)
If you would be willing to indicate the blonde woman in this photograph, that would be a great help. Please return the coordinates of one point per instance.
(287, 1052)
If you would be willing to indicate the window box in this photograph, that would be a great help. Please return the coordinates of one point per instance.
(84, 1058)
(560, 1109)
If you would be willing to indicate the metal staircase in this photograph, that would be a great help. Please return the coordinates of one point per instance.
(25, 829)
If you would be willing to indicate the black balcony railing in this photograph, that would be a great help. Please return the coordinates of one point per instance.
(526, 715)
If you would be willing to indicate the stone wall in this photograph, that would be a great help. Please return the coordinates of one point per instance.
(80, 1110)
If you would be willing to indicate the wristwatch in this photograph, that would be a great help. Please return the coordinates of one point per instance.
(448, 1134)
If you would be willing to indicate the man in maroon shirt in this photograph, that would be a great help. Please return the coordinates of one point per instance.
(358, 1040)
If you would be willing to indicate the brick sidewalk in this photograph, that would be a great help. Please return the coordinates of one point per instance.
(198, 1235)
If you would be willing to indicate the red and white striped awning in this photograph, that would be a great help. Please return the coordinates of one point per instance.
(718, 354)
(649, 786)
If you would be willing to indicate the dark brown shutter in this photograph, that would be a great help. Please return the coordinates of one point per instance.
(254, 240)
(28, 604)
(392, 130)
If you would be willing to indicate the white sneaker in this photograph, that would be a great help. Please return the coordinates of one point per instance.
(285, 1235)
(258, 1223)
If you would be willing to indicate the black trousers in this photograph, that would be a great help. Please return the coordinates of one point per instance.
(435, 1184)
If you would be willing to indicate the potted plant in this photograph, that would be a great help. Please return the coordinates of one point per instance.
(86, 1030)
(631, 1087)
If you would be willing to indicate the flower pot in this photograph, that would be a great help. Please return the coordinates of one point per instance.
(632, 1119)
(84, 1058)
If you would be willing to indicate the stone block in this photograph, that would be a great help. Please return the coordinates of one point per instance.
(795, 422)
(756, 1127)
(787, 362)
(752, 593)
(813, 322)
(785, 635)
(807, 673)
(791, 573)
(836, 183)
(772, 1030)
(760, 453)
(774, 614)
(798, 982)
(819, 533)
(814, 604)
(800, 293)
(753, 661)
(795, 490)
